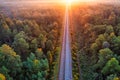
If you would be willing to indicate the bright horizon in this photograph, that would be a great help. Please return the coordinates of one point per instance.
(64, 1)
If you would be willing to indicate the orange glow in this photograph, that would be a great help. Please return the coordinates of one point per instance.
(69, 1)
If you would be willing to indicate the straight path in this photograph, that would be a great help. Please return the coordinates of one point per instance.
(65, 70)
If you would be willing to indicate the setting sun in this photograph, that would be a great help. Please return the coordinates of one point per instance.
(69, 1)
(76, 1)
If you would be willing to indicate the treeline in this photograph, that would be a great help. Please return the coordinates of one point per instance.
(96, 40)
(29, 45)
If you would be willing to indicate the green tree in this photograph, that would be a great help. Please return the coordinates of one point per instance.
(50, 57)
(117, 29)
(33, 45)
(20, 45)
(41, 41)
(116, 44)
(10, 60)
(99, 29)
(94, 47)
(104, 55)
(39, 53)
(5, 33)
(5, 71)
(99, 41)
(109, 29)
(35, 69)
(111, 77)
(49, 45)
(111, 67)
(34, 28)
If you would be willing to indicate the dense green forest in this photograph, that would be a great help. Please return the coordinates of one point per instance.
(96, 42)
(31, 39)
(30, 42)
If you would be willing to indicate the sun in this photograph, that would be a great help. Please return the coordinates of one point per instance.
(68, 1)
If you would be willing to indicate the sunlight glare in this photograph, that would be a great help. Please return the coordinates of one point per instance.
(76, 1)
(69, 1)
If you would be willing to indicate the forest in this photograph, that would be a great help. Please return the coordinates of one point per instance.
(30, 42)
(96, 41)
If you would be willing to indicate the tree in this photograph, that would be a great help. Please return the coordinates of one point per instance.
(104, 55)
(50, 58)
(117, 29)
(5, 33)
(116, 78)
(5, 71)
(111, 77)
(106, 44)
(50, 36)
(116, 45)
(2, 77)
(21, 34)
(111, 67)
(94, 47)
(35, 69)
(99, 41)
(33, 45)
(39, 53)
(9, 22)
(49, 45)
(112, 18)
(10, 61)
(99, 29)
(109, 29)
(20, 45)
(56, 53)
(40, 77)
(27, 30)
(19, 25)
(34, 28)
(41, 41)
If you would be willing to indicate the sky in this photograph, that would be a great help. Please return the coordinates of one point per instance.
(81, 0)
(112, 1)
